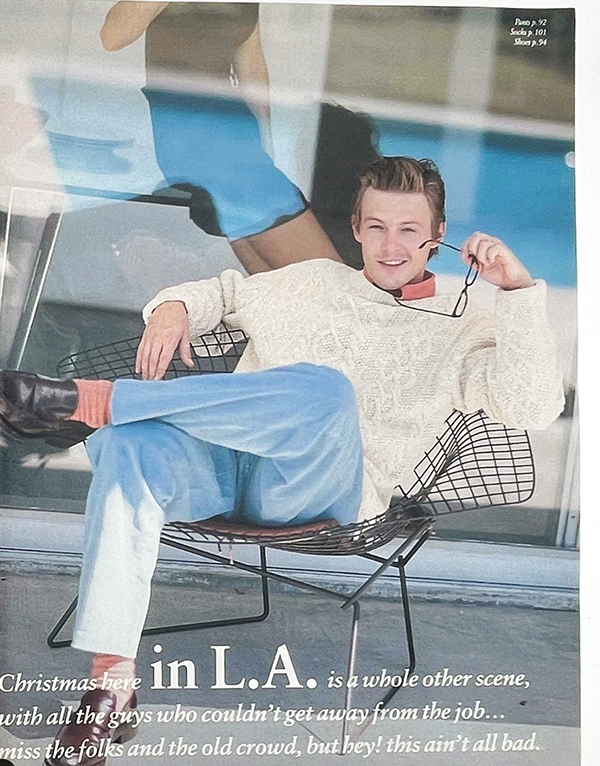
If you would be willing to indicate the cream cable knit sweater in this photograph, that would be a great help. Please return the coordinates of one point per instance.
(409, 369)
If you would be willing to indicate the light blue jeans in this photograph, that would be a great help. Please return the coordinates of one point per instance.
(276, 447)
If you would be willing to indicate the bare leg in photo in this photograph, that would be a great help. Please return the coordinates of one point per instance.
(300, 239)
(248, 256)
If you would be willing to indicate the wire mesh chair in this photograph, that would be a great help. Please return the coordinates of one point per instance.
(475, 463)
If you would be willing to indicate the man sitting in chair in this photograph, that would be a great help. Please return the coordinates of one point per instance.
(346, 380)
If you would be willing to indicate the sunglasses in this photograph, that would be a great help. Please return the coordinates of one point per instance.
(463, 298)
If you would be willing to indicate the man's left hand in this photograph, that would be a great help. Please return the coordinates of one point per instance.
(496, 263)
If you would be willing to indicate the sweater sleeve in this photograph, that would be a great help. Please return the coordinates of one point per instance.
(207, 302)
(507, 365)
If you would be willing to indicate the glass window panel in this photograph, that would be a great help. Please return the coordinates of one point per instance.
(85, 248)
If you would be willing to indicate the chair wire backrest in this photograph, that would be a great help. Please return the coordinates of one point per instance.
(218, 351)
(475, 463)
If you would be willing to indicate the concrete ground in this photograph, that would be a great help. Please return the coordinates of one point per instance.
(537, 720)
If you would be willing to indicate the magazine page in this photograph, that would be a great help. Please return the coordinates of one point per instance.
(289, 403)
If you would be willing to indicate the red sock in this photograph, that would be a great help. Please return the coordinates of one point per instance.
(108, 668)
(93, 405)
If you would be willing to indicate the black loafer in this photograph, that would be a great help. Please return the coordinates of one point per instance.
(88, 743)
(33, 406)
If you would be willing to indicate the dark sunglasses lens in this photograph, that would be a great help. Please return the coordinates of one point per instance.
(461, 304)
(471, 276)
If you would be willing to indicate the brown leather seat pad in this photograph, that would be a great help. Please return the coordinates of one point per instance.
(235, 529)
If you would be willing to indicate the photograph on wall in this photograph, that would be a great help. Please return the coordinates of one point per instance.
(288, 388)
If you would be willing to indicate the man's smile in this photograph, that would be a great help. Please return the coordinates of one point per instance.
(393, 262)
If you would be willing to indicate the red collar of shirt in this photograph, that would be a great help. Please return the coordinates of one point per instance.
(411, 292)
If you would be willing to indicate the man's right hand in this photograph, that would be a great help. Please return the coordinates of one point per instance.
(168, 329)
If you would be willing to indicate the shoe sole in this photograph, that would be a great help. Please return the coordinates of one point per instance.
(63, 437)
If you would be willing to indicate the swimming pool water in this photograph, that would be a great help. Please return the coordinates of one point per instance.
(514, 187)
(518, 188)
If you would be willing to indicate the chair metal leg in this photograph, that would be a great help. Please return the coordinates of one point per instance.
(351, 666)
(264, 613)
(403, 553)
(266, 608)
(52, 643)
(410, 639)
(410, 643)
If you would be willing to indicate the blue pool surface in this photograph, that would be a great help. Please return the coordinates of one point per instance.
(514, 187)
(520, 190)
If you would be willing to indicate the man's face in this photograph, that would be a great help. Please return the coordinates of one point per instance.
(392, 225)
